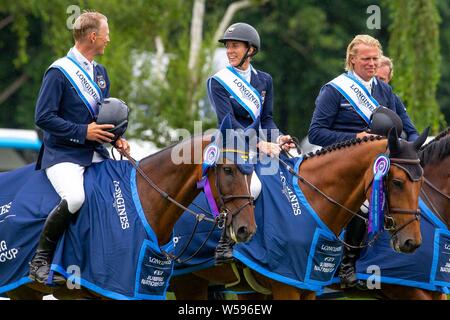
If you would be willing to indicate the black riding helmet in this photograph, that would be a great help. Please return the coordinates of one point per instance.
(383, 119)
(243, 32)
(114, 111)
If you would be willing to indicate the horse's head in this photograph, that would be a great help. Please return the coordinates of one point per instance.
(402, 188)
(230, 178)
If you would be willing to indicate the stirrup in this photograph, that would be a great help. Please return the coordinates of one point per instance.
(39, 269)
(347, 275)
(224, 252)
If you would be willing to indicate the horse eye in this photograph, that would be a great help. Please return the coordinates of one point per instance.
(228, 170)
(398, 183)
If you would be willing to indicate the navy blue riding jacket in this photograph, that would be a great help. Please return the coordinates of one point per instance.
(335, 120)
(223, 102)
(64, 118)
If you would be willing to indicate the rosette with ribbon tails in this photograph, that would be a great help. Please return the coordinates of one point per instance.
(378, 198)
(227, 143)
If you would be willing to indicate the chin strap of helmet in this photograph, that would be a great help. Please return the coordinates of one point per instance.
(246, 55)
(244, 58)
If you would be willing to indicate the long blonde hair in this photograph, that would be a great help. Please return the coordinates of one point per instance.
(360, 39)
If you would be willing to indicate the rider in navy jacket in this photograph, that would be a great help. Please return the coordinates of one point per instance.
(72, 138)
(223, 102)
(335, 120)
(64, 118)
(242, 42)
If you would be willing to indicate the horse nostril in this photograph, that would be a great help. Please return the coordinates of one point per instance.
(242, 234)
(410, 246)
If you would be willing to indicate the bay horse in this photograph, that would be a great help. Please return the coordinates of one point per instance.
(177, 183)
(343, 172)
(435, 160)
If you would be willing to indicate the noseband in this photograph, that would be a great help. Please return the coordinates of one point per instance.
(225, 214)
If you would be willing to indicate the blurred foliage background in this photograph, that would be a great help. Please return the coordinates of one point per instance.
(162, 52)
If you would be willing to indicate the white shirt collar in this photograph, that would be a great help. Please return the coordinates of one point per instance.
(368, 84)
(84, 62)
(246, 74)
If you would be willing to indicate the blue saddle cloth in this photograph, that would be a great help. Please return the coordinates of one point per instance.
(292, 245)
(427, 268)
(109, 248)
(182, 232)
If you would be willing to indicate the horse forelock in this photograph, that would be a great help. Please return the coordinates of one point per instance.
(437, 149)
(344, 145)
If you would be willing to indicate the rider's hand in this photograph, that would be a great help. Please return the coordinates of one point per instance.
(96, 132)
(122, 146)
(285, 142)
(269, 148)
(363, 134)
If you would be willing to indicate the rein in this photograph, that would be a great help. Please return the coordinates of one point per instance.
(433, 187)
(220, 220)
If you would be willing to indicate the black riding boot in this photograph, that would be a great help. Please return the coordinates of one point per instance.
(224, 249)
(57, 222)
(354, 236)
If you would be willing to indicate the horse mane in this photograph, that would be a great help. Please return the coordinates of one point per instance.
(341, 145)
(437, 149)
(193, 136)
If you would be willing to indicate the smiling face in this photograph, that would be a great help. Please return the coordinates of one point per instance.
(365, 61)
(100, 38)
(236, 51)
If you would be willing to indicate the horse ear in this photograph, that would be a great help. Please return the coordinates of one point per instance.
(393, 143)
(422, 138)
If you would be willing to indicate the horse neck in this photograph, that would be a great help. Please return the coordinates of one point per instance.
(437, 174)
(177, 180)
(340, 174)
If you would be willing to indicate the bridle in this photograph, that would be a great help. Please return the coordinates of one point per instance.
(389, 221)
(225, 216)
(222, 218)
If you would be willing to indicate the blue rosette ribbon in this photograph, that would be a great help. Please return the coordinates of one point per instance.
(378, 197)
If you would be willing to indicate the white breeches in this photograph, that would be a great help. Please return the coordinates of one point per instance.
(68, 180)
(255, 185)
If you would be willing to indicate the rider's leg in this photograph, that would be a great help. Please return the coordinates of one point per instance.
(67, 179)
(354, 235)
(224, 249)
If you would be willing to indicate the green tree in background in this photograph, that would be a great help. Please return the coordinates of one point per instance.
(303, 47)
(443, 93)
(161, 53)
(414, 46)
(158, 59)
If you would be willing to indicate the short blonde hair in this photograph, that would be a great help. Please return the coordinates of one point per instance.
(360, 39)
(386, 61)
(87, 22)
